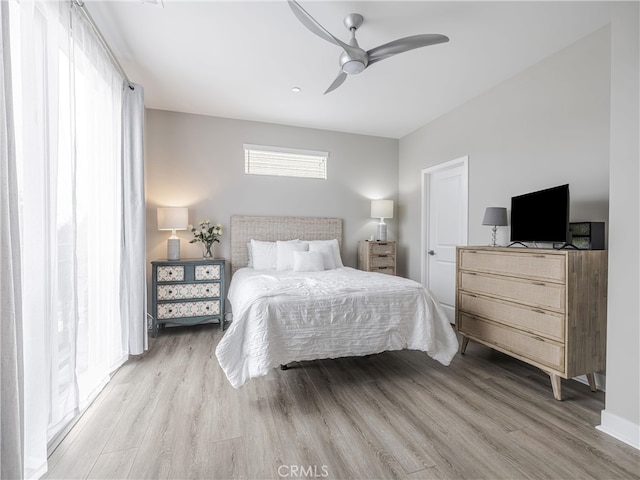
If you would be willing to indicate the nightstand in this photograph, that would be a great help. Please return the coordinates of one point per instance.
(377, 257)
(188, 292)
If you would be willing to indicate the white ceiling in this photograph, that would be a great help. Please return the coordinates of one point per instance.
(240, 59)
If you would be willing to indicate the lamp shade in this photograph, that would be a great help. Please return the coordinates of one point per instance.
(173, 218)
(496, 216)
(381, 208)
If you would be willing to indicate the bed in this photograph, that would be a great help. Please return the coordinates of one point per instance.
(295, 310)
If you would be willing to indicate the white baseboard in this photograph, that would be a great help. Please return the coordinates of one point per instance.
(619, 428)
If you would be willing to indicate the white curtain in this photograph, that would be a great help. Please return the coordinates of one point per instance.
(133, 288)
(74, 235)
(11, 389)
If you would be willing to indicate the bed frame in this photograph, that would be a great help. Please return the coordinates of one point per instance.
(270, 229)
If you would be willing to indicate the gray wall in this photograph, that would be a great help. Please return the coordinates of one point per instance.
(621, 416)
(572, 118)
(198, 162)
(547, 126)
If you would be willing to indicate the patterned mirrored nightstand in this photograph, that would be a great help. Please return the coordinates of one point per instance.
(188, 292)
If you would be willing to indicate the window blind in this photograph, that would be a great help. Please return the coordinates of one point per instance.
(288, 162)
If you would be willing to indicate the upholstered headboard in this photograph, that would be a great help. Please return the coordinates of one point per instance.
(271, 229)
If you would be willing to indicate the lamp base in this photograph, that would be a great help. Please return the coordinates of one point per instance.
(494, 232)
(173, 249)
(382, 232)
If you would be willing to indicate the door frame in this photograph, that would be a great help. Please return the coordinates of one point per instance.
(425, 207)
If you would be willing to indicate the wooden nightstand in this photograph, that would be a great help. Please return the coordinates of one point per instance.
(188, 292)
(377, 257)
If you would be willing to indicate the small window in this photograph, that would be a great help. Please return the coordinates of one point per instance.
(287, 162)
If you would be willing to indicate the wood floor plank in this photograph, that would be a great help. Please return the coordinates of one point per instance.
(171, 413)
(77, 456)
(113, 464)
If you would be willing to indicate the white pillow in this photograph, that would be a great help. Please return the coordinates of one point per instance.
(286, 250)
(327, 254)
(249, 256)
(264, 255)
(307, 261)
(334, 246)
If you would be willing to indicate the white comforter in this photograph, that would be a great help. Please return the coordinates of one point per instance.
(282, 317)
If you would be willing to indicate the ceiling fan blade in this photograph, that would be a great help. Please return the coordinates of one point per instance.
(403, 45)
(311, 23)
(337, 82)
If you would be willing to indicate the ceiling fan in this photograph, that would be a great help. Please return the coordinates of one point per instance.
(354, 59)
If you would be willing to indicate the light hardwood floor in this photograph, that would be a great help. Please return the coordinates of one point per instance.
(172, 414)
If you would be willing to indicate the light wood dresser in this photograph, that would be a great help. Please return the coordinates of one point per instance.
(545, 307)
(377, 256)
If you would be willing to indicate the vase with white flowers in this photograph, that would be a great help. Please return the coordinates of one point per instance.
(207, 234)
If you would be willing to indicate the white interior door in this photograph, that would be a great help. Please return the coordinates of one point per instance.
(444, 226)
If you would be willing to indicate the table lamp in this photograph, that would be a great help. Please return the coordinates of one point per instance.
(496, 216)
(382, 209)
(173, 218)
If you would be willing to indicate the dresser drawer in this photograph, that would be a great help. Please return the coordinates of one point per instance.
(170, 273)
(383, 248)
(188, 309)
(536, 294)
(532, 320)
(188, 290)
(207, 272)
(529, 347)
(539, 266)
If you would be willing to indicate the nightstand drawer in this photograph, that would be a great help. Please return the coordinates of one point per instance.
(188, 290)
(170, 273)
(207, 272)
(378, 261)
(188, 309)
(383, 248)
(388, 270)
(514, 342)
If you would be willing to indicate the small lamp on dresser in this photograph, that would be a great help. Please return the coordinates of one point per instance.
(173, 218)
(497, 217)
(382, 209)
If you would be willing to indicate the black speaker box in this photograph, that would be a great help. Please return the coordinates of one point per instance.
(587, 235)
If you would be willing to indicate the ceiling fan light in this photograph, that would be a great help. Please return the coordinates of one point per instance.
(352, 67)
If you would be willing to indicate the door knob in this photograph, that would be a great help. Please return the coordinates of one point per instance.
(431, 252)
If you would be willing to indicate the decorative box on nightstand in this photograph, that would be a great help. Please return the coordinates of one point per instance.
(377, 257)
(188, 292)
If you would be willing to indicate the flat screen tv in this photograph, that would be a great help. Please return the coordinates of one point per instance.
(541, 216)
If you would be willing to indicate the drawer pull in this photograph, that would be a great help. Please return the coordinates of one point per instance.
(170, 310)
(207, 290)
(170, 291)
(170, 272)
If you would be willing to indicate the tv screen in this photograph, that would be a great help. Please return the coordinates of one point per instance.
(541, 216)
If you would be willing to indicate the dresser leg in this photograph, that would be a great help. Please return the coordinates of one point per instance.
(463, 345)
(591, 378)
(556, 385)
